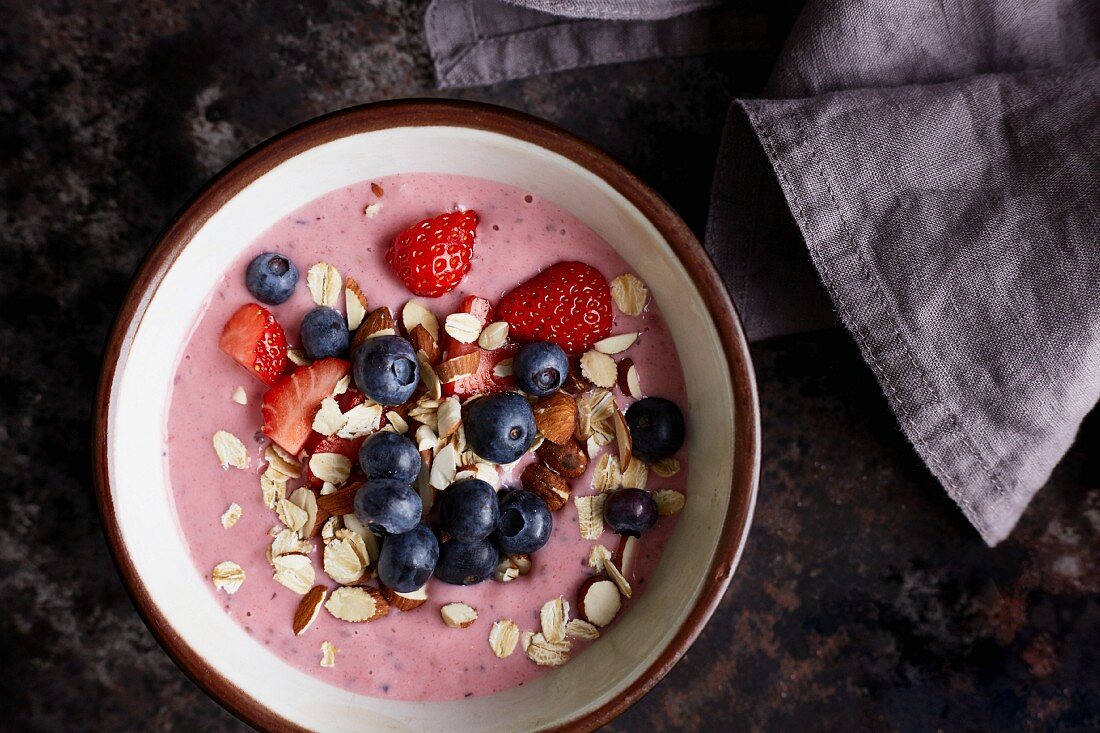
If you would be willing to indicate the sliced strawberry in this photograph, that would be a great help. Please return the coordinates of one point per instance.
(479, 308)
(483, 381)
(347, 447)
(256, 341)
(432, 256)
(568, 304)
(346, 400)
(290, 405)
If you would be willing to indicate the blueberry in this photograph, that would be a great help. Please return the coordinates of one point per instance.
(386, 369)
(656, 428)
(388, 455)
(271, 278)
(525, 523)
(407, 560)
(500, 427)
(468, 510)
(388, 506)
(630, 511)
(466, 563)
(540, 368)
(324, 333)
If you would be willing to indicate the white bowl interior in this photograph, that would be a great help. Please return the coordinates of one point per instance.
(137, 416)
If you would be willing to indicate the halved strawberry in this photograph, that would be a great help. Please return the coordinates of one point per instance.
(568, 304)
(432, 256)
(348, 447)
(256, 341)
(290, 405)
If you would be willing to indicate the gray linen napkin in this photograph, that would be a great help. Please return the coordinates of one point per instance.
(948, 200)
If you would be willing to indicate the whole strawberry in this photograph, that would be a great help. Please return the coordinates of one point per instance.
(568, 304)
(432, 256)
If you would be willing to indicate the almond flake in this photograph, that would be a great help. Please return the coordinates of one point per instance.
(308, 608)
(372, 210)
(429, 378)
(458, 615)
(328, 654)
(281, 461)
(331, 467)
(666, 467)
(426, 439)
(444, 467)
(606, 476)
(231, 515)
(598, 556)
(370, 539)
(554, 615)
(294, 571)
(615, 344)
(363, 419)
(590, 515)
(329, 419)
(415, 314)
(291, 515)
(488, 473)
(327, 488)
(599, 369)
(341, 385)
(240, 396)
(287, 542)
(227, 576)
(397, 422)
(503, 637)
(230, 450)
(324, 284)
(669, 502)
(357, 605)
(624, 442)
(298, 357)
(463, 327)
(344, 559)
(635, 475)
(581, 629)
(546, 653)
(617, 578)
(448, 417)
(630, 294)
(355, 303)
(503, 368)
(505, 571)
(629, 382)
(493, 336)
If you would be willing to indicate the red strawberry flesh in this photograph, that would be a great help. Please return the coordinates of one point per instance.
(568, 304)
(256, 341)
(290, 405)
(432, 256)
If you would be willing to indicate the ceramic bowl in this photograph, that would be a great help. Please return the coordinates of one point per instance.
(369, 142)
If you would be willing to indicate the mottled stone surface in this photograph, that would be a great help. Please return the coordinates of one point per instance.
(864, 601)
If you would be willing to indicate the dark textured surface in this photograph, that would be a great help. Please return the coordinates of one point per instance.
(864, 600)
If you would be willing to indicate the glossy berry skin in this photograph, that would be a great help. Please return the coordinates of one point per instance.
(432, 256)
(525, 523)
(468, 510)
(271, 278)
(324, 333)
(466, 563)
(386, 454)
(568, 304)
(540, 368)
(500, 427)
(386, 370)
(656, 428)
(387, 506)
(630, 511)
(407, 560)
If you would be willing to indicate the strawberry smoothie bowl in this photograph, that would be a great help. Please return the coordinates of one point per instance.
(427, 414)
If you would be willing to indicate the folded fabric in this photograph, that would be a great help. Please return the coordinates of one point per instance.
(940, 163)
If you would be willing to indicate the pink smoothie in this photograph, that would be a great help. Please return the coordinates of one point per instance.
(407, 656)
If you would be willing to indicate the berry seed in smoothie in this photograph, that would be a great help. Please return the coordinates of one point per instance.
(447, 428)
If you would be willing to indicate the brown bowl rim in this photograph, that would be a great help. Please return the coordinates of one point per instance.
(446, 113)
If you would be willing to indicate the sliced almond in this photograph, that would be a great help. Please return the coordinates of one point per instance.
(617, 577)
(599, 369)
(503, 368)
(230, 450)
(630, 294)
(416, 314)
(379, 322)
(429, 377)
(636, 476)
(590, 515)
(463, 327)
(294, 571)
(324, 284)
(553, 616)
(329, 527)
(406, 601)
(363, 419)
(599, 556)
(669, 502)
(503, 637)
(227, 576)
(458, 615)
(397, 422)
(459, 366)
(345, 559)
(546, 653)
(607, 476)
(424, 484)
(488, 473)
(341, 386)
(306, 500)
(231, 515)
(448, 417)
(340, 503)
(328, 654)
(599, 601)
(625, 554)
(240, 396)
(331, 467)
(666, 467)
(629, 383)
(545, 484)
(615, 344)
(308, 608)
(493, 336)
(444, 468)
(370, 539)
(357, 604)
(622, 440)
(298, 357)
(424, 344)
(581, 629)
(355, 304)
(556, 417)
(329, 419)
